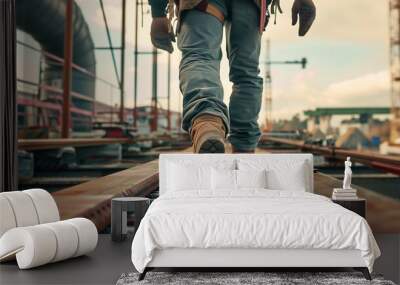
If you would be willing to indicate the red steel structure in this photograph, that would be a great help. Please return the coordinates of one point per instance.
(52, 106)
(394, 8)
(67, 71)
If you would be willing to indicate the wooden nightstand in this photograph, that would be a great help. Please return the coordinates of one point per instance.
(358, 205)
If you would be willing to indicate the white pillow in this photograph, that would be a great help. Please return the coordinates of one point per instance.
(282, 174)
(294, 180)
(183, 177)
(223, 179)
(251, 178)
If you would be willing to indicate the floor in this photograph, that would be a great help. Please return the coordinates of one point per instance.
(95, 268)
(106, 264)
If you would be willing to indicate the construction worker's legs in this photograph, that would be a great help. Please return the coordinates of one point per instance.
(243, 49)
(199, 40)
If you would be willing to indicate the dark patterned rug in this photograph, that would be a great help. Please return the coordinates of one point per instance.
(269, 278)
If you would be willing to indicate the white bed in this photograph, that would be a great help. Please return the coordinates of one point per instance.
(280, 225)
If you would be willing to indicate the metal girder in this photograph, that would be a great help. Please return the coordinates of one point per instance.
(40, 144)
(67, 72)
(384, 162)
(347, 111)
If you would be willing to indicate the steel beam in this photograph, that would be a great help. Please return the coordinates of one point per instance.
(123, 24)
(384, 162)
(347, 111)
(40, 144)
(169, 93)
(135, 78)
(154, 124)
(67, 70)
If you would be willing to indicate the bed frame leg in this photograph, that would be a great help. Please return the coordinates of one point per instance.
(143, 274)
(365, 272)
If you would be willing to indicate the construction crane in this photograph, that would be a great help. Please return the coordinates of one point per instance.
(268, 82)
(394, 7)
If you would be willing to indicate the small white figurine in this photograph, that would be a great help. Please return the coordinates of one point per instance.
(347, 174)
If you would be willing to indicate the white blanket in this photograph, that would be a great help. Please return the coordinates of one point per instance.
(252, 218)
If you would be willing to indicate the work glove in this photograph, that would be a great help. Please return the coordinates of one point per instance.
(305, 10)
(161, 36)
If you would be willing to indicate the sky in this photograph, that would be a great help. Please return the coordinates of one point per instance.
(347, 49)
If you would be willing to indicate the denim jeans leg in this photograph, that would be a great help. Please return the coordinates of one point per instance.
(243, 49)
(199, 40)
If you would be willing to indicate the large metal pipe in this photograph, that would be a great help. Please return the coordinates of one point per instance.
(44, 20)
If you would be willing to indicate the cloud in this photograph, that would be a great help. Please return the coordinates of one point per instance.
(357, 89)
(366, 90)
(340, 20)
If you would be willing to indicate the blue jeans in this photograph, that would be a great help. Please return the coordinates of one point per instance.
(199, 40)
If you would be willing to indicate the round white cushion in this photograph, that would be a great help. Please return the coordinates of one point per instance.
(7, 218)
(87, 234)
(41, 244)
(67, 240)
(33, 246)
(23, 208)
(46, 207)
(26, 208)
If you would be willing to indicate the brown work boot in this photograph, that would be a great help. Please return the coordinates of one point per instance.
(208, 134)
(237, 150)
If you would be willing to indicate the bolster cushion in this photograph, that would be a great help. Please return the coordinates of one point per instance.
(7, 219)
(40, 244)
(26, 208)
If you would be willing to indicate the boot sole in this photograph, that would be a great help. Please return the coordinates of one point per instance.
(212, 146)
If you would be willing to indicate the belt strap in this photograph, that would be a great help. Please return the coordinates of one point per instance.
(212, 10)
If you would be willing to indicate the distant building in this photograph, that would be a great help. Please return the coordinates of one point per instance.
(353, 123)
(353, 138)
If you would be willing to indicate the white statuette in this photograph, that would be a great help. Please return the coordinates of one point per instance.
(347, 174)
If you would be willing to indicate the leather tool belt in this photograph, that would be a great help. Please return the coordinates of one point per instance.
(212, 10)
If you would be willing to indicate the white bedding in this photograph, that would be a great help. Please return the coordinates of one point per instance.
(251, 218)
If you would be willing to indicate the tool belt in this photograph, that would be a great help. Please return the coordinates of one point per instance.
(211, 9)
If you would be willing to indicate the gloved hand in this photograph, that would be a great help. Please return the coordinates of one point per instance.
(160, 36)
(305, 10)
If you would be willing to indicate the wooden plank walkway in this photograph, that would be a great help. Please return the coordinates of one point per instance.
(92, 199)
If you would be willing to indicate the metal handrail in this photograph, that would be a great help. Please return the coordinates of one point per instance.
(61, 60)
